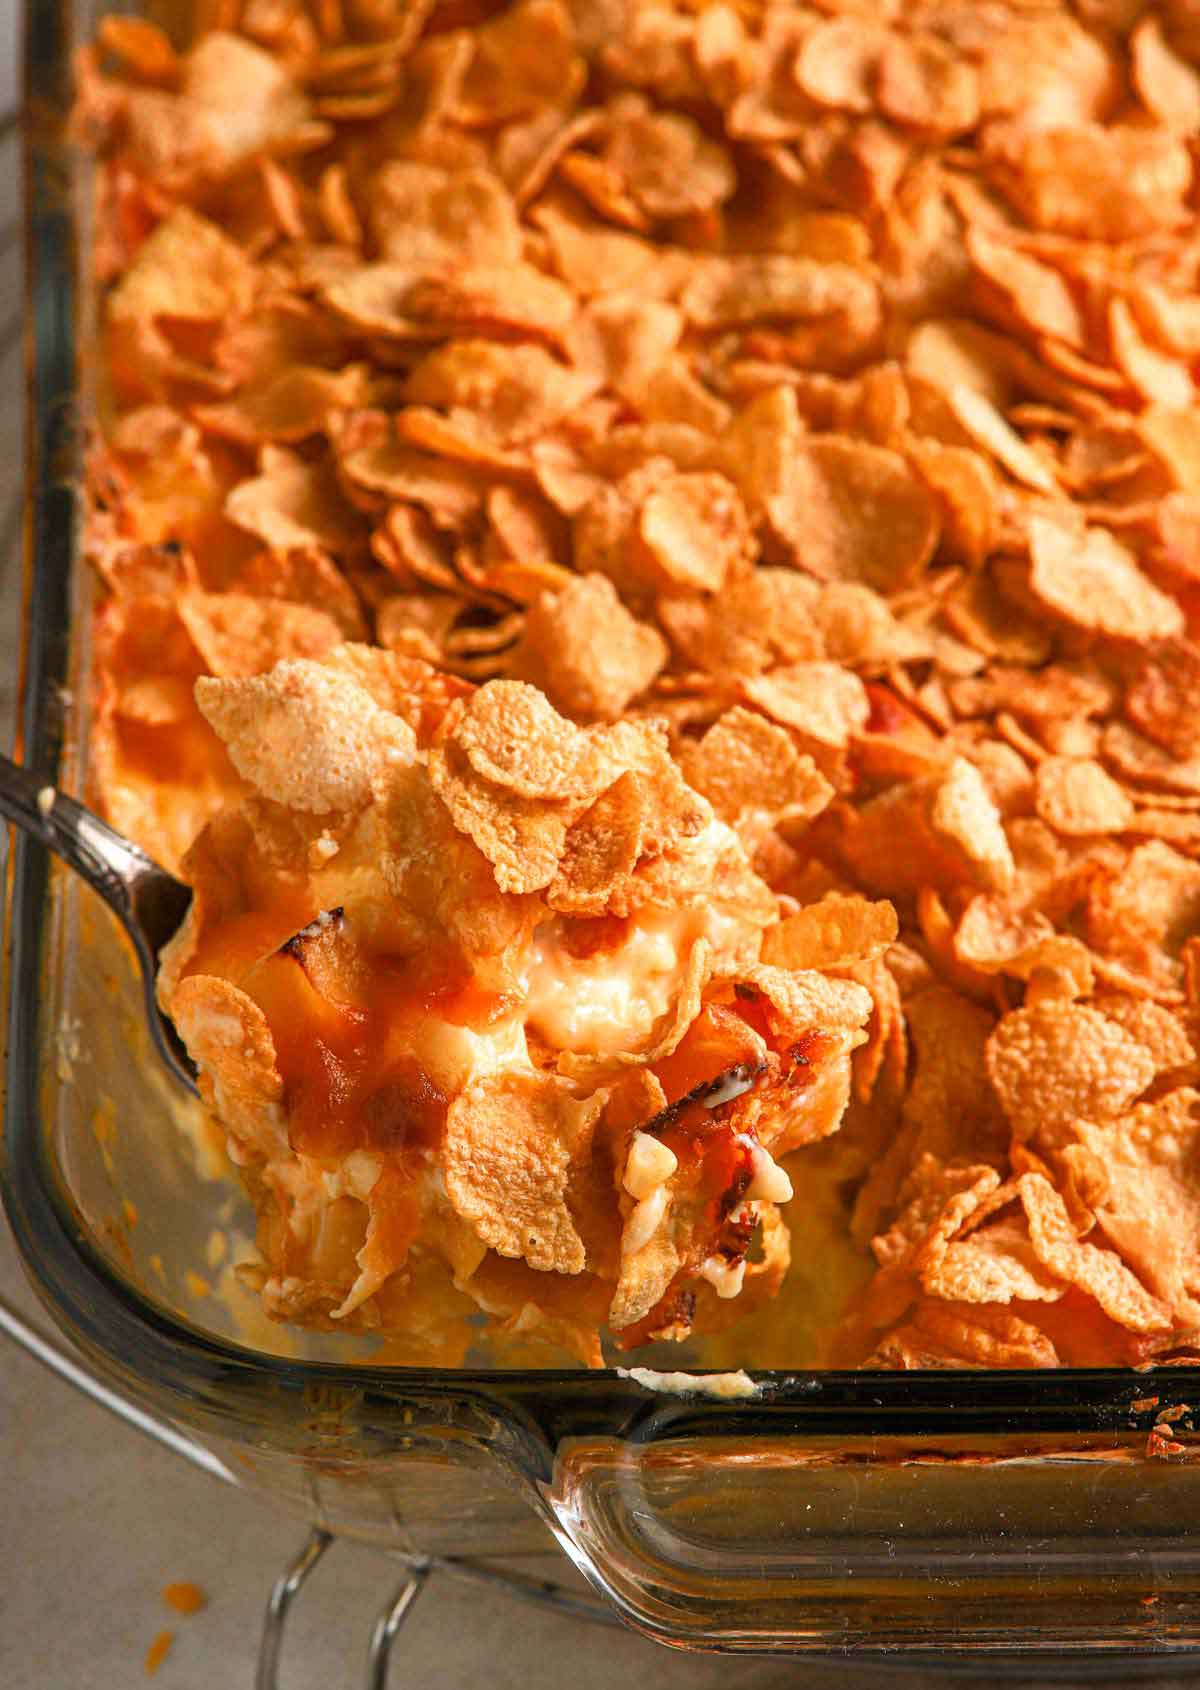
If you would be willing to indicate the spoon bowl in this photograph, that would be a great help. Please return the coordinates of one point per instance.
(149, 903)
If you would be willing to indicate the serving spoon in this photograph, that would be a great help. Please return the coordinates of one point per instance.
(149, 903)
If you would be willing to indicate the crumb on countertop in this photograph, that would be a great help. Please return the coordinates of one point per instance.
(184, 1597)
(158, 1651)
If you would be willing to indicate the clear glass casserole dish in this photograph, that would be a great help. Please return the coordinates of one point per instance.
(947, 1514)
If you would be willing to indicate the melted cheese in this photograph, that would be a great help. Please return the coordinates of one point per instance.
(610, 1001)
(720, 1385)
(453, 1056)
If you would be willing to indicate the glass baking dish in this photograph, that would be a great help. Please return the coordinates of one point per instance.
(948, 1515)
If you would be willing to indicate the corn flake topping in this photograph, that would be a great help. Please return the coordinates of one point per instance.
(649, 560)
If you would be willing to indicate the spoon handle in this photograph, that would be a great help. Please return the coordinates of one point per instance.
(107, 860)
(147, 901)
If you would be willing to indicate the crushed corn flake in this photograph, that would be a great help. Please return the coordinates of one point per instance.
(649, 559)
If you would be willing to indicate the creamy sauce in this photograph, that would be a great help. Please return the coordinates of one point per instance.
(726, 1386)
(610, 1001)
(453, 1056)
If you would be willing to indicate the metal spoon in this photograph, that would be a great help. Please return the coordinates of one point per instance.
(147, 901)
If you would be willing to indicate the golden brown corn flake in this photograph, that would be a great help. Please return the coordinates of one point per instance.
(660, 166)
(859, 513)
(946, 354)
(967, 493)
(645, 1276)
(882, 1060)
(1173, 440)
(641, 823)
(937, 1199)
(994, 1264)
(952, 830)
(419, 692)
(983, 424)
(1076, 796)
(993, 933)
(412, 551)
(1166, 83)
(1058, 1062)
(601, 851)
(187, 270)
(1182, 831)
(823, 702)
(1156, 376)
(389, 468)
(626, 339)
(1149, 1203)
(436, 875)
(956, 1335)
(248, 98)
(305, 576)
(1139, 915)
(593, 678)
(603, 532)
(1044, 696)
(799, 1000)
(1005, 773)
(693, 531)
(1101, 1273)
(759, 619)
(765, 103)
(522, 59)
(752, 774)
(837, 932)
(514, 737)
(294, 503)
(1170, 317)
(237, 635)
(857, 628)
(1140, 761)
(230, 1042)
(421, 214)
(522, 838)
(757, 452)
(924, 85)
(404, 302)
(1164, 698)
(523, 527)
(1108, 184)
(1162, 1033)
(963, 816)
(838, 62)
(292, 406)
(420, 626)
(726, 292)
(595, 259)
(511, 1142)
(1092, 581)
(507, 394)
(1031, 291)
(462, 436)
(142, 47)
(306, 736)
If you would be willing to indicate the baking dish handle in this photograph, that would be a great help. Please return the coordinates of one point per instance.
(796, 1544)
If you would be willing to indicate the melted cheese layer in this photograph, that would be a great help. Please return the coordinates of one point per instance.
(610, 1001)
